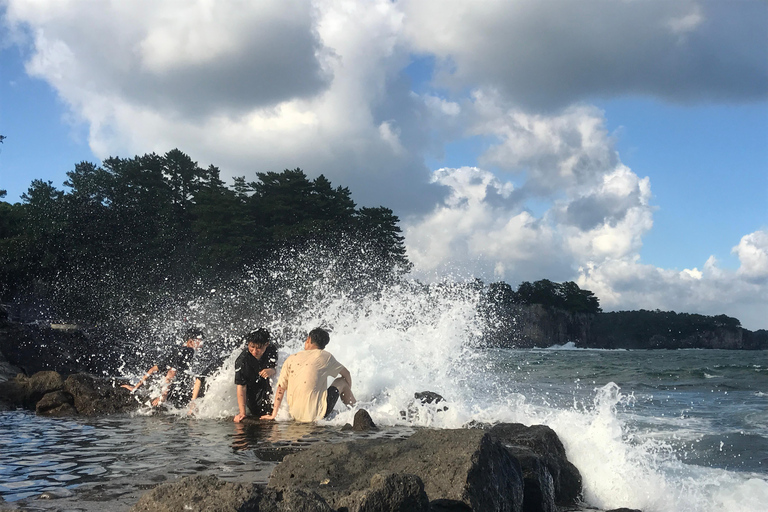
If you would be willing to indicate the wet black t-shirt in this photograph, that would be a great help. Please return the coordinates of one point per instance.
(180, 359)
(258, 389)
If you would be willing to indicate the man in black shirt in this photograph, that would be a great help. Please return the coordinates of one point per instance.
(253, 369)
(175, 362)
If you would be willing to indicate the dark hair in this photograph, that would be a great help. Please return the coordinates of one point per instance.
(258, 337)
(319, 337)
(192, 333)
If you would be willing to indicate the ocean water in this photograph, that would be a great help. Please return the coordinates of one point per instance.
(661, 431)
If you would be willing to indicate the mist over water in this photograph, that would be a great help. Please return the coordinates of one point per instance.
(640, 426)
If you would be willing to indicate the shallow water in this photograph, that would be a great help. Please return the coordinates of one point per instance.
(50, 463)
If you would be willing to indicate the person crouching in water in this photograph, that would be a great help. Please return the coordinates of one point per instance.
(304, 377)
(175, 363)
(253, 369)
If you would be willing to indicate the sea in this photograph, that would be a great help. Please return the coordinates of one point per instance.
(655, 430)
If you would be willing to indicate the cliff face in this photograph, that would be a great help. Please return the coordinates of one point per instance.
(527, 326)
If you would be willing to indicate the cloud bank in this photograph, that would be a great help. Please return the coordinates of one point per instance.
(366, 91)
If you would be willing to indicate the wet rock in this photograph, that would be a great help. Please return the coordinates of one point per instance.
(56, 403)
(468, 466)
(363, 421)
(421, 399)
(93, 395)
(547, 449)
(538, 484)
(388, 492)
(23, 391)
(200, 494)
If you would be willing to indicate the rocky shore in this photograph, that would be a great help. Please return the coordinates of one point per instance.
(503, 467)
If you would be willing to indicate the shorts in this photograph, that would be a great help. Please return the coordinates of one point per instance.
(331, 399)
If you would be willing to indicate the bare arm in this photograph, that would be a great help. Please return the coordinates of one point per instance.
(142, 380)
(168, 378)
(278, 400)
(346, 376)
(195, 393)
(240, 402)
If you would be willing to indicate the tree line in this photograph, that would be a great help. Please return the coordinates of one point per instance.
(123, 233)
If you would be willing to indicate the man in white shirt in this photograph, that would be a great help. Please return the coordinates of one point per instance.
(304, 377)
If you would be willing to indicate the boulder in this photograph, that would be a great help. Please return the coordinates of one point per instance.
(23, 391)
(93, 395)
(544, 448)
(362, 422)
(56, 403)
(200, 494)
(468, 466)
(203, 493)
(538, 484)
(292, 500)
(423, 400)
(388, 492)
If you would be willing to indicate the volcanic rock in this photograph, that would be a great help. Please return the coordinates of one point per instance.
(389, 492)
(467, 466)
(538, 448)
(93, 395)
(23, 391)
(56, 403)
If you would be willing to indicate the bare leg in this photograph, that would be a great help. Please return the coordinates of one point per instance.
(345, 392)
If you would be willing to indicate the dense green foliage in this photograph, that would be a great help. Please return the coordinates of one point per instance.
(566, 296)
(131, 231)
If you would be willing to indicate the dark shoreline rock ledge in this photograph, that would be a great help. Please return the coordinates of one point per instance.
(509, 467)
(49, 394)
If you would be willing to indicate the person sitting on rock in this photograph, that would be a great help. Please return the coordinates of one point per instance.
(175, 363)
(304, 377)
(253, 369)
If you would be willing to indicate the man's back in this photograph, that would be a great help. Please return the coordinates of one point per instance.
(304, 376)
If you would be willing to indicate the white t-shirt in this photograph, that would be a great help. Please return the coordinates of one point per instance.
(304, 377)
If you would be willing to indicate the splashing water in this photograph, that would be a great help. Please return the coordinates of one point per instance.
(409, 337)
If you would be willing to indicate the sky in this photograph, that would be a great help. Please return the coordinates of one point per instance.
(620, 144)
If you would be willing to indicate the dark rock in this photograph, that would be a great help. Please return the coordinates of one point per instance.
(292, 500)
(200, 494)
(7, 370)
(421, 399)
(543, 442)
(463, 465)
(363, 421)
(23, 391)
(93, 395)
(56, 403)
(538, 484)
(448, 506)
(389, 492)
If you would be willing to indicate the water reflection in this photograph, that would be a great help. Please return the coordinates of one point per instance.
(114, 459)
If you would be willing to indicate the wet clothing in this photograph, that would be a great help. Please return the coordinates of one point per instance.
(304, 377)
(258, 390)
(180, 359)
(331, 399)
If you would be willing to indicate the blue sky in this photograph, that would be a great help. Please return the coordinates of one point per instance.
(620, 145)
